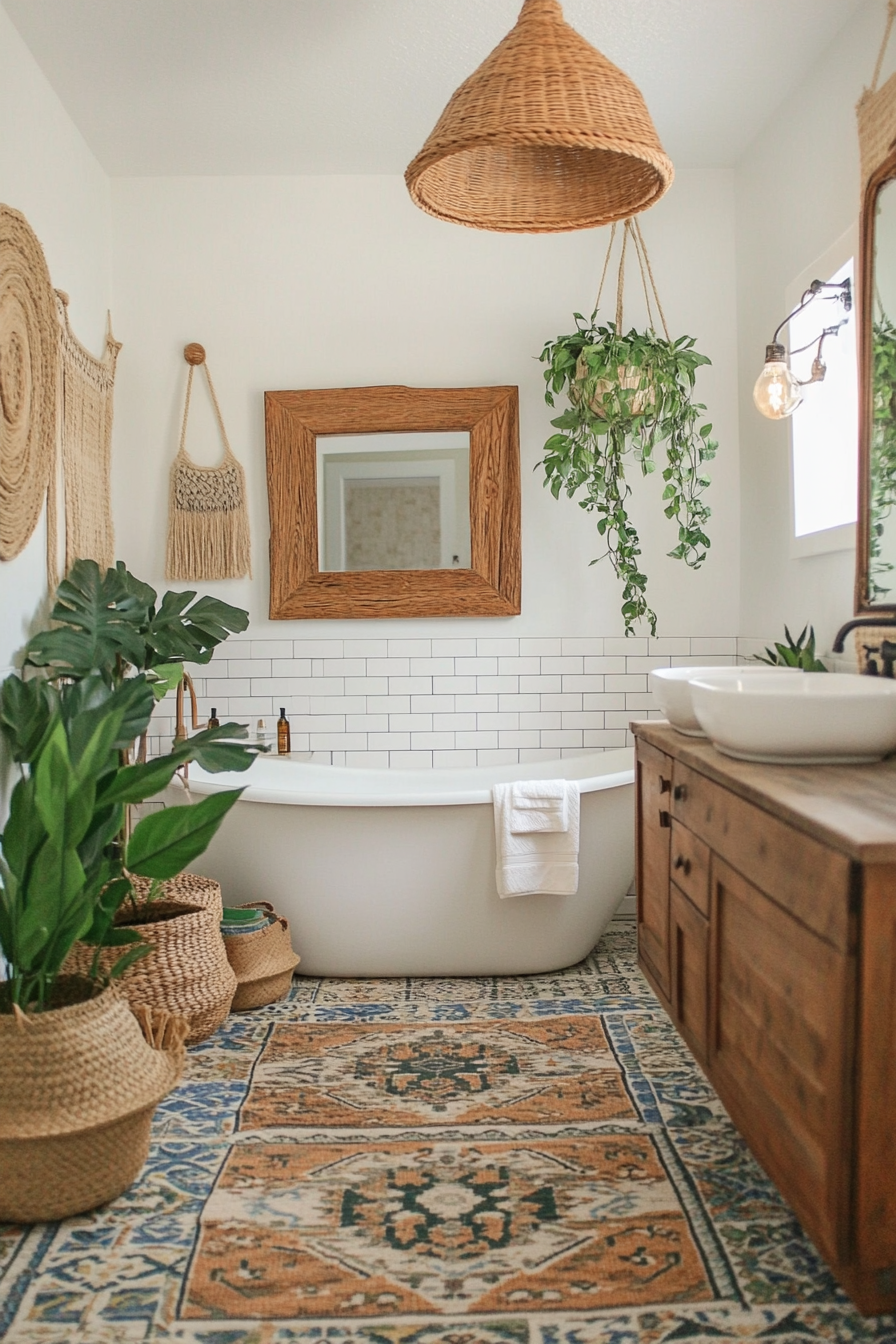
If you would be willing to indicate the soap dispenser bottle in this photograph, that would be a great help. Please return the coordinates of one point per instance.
(283, 746)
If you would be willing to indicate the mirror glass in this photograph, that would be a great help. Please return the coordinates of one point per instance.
(393, 501)
(881, 558)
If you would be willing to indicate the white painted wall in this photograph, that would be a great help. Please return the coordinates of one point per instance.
(797, 191)
(337, 281)
(48, 173)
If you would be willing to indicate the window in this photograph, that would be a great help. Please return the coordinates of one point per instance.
(824, 429)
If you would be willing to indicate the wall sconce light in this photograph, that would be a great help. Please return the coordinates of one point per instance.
(777, 392)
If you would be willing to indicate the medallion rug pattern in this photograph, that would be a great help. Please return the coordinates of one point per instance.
(510, 1160)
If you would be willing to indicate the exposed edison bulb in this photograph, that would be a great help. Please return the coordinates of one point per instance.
(776, 393)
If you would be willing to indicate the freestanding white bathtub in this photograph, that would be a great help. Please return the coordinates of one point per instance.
(392, 872)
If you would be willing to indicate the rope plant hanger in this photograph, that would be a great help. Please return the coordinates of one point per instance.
(208, 525)
(547, 135)
(29, 382)
(876, 111)
(629, 392)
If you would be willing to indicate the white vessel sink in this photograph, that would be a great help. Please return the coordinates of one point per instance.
(809, 719)
(671, 688)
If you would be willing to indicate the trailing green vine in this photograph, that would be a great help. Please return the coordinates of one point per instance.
(883, 451)
(628, 394)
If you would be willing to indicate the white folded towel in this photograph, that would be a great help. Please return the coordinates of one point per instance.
(536, 860)
(539, 805)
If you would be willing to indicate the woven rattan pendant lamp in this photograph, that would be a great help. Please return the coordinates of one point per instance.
(547, 135)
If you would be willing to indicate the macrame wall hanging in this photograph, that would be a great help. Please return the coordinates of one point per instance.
(29, 385)
(208, 524)
(876, 112)
(86, 423)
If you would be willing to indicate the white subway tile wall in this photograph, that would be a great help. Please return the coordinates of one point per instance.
(429, 703)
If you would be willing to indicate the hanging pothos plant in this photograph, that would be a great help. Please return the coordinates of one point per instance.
(629, 393)
(883, 450)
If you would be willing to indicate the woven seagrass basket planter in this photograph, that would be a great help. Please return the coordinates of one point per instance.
(185, 889)
(187, 973)
(80, 1084)
(263, 961)
(628, 377)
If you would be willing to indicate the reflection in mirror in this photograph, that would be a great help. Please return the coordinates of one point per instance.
(393, 501)
(882, 455)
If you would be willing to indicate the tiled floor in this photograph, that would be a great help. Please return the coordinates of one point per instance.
(502, 1160)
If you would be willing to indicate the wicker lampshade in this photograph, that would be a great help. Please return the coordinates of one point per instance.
(547, 135)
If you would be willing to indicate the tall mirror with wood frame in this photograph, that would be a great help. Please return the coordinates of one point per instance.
(393, 501)
(876, 548)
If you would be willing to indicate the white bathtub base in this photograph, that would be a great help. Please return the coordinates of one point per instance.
(409, 890)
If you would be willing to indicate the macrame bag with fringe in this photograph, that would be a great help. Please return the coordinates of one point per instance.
(208, 523)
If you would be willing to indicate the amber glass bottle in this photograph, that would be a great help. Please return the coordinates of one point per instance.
(214, 721)
(283, 734)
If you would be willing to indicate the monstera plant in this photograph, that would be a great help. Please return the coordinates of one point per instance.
(65, 859)
(629, 395)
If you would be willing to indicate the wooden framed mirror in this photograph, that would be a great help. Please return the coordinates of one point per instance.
(876, 535)
(392, 528)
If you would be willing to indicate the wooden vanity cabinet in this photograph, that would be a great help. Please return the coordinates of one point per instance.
(767, 929)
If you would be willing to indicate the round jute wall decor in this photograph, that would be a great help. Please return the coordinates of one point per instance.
(29, 374)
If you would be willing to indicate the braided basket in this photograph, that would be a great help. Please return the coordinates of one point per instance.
(263, 961)
(188, 973)
(185, 889)
(546, 135)
(80, 1084)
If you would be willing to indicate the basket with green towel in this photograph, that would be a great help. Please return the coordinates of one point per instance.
(260, 953)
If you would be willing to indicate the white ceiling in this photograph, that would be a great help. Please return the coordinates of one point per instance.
(211, 87)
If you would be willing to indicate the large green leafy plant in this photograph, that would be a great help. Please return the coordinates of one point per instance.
(66, 864)
(628, 395)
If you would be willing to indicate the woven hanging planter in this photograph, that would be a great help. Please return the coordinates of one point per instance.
(262, 960)
(29, 380)
(80, 1084)
(188, 972)
(547, 135)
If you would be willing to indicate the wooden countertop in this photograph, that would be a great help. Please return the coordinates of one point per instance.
(849, 807)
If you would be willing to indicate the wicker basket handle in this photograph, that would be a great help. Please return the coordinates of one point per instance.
(161, 1029)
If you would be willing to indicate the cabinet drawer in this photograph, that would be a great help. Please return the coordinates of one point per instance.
(690, 866)
(804, 876)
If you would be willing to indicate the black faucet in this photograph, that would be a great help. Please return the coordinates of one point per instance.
(837, 646)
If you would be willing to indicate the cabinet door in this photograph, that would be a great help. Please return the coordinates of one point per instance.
(654, 831)
(780, 1053)
(690, 971)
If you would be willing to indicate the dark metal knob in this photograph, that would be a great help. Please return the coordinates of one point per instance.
(680, 792)
(683, 863)
(665, 819)
(665, 784)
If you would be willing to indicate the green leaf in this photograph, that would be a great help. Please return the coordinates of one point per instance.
(135, 783)
(192, 633)
(26, 710)
(164, 843)
(166, 677)
(24, 833)
(97, 622)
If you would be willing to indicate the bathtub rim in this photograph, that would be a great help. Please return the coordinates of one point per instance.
(415, 788)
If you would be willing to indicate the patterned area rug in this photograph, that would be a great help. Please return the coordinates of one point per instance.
(531, 1160)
